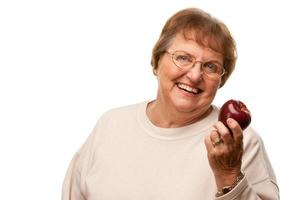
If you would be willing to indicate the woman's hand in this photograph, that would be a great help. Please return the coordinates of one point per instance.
(225, 151)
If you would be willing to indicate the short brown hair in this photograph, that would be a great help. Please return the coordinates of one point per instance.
(205, 30)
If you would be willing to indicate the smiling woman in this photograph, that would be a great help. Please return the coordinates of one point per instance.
(185, 94)
(174, 147)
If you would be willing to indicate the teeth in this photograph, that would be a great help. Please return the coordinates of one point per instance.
(188, 88)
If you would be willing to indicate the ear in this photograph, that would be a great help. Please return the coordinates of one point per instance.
(154, 72)
(220, 84)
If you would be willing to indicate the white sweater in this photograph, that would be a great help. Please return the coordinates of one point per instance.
(126, 157)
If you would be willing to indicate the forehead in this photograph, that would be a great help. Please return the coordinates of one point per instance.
(189, 44)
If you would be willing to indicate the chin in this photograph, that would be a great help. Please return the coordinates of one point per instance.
(185, 106)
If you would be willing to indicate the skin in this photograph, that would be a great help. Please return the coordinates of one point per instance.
(225, 159)
(175, 107)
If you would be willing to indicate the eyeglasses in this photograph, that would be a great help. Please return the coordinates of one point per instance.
(185, 61)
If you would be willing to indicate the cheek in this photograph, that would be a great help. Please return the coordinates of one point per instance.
(213, 86)
(167, 72)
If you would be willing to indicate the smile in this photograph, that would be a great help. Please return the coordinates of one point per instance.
(188, 88)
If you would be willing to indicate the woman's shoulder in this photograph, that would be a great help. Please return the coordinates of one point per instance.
(124, 110)
(254, 144)
(252, 137)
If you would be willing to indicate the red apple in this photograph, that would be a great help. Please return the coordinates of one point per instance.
(237, 110)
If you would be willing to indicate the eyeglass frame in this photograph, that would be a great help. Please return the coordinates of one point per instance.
(213, 75)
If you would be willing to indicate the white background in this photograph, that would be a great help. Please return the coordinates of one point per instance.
(63, 63)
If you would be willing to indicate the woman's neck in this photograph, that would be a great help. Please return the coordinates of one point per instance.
(164, 116)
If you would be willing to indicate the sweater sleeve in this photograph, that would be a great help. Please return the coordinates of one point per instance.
(71, 185)
(259, 182)
(74, 181)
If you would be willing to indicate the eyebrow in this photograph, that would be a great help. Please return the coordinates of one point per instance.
(211, 60)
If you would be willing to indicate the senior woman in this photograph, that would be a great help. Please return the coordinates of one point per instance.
(169, 148)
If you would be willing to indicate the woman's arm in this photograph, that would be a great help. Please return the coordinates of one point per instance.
(231, 156)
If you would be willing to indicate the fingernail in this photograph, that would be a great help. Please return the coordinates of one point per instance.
(229, 121)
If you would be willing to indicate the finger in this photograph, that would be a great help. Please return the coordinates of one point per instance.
(237, 132)
(215, 138)
(208, 144)
(224, 133)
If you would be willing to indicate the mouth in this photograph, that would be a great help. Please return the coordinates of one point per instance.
(189, 89)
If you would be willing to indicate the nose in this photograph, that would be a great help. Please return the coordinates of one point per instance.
(195, 73)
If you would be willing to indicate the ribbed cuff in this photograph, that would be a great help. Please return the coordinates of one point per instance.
(237, 190)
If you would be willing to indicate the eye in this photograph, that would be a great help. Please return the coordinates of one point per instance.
(183, 59)
(212, 67)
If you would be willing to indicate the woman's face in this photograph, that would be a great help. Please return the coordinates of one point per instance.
(188, 91)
